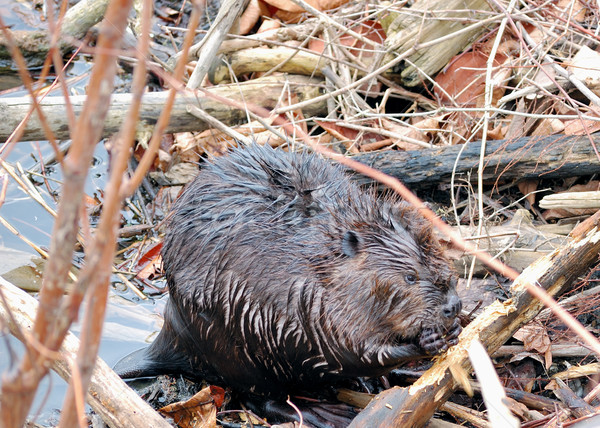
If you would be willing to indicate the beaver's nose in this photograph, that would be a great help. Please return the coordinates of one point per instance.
(452, 307)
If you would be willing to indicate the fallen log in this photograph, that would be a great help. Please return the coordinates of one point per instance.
(415, 405)
(265, 92)
(506, 160)
(117, 404)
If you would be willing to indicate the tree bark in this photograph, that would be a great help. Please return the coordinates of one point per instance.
(506, 160)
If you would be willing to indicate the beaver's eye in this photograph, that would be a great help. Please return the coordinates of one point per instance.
(410, 278)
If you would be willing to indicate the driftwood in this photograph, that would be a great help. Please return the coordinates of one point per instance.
(287, 60)
(572, 200)
(525, 158)
(414, 406)
(263, 92)
(117, 404)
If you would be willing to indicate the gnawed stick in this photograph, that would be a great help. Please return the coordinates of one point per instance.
(117, 404)
(414, 406)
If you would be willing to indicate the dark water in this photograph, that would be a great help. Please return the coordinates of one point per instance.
(130, 324)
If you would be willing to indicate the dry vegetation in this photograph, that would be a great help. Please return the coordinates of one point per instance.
(482, 107)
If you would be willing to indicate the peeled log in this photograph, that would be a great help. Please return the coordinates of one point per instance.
(262, 92)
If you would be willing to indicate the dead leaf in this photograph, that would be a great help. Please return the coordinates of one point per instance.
(369, 29)
(548, 127)
(558, 213)
(581, 126)
(585, 66)
(521, 375)
(200, 411)
(535, 337)
(290, 12)
(186, 147)
(544, 76)
(268, 25)
(150, 262)
(575, 9)
(255, 10)
(527, 187)
(344, 135)
(406, 133)
(463, 81)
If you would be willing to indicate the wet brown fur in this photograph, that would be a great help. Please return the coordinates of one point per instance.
(284, 274)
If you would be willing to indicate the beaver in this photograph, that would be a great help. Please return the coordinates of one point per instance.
(283, 274)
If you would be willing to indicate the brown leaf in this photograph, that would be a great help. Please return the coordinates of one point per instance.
(330, 4)
(200, 411)
(558, 213)
(268, 24)
(464, 79)
(255, 10)
(576, 10)
(289, 6)
(535, 338)
(409, 133)
(548, 127)
(581, 126)
(290, 13)
(340, 132)
(186, 147)
(527, 187)
(150, 263)
(369, 29)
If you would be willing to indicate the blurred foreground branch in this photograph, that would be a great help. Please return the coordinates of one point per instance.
(57, 307)
(117, 404)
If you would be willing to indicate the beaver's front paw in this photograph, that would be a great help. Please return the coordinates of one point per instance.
(432, 341)
(453, 332)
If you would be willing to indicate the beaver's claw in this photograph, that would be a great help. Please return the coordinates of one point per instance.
(433, 340)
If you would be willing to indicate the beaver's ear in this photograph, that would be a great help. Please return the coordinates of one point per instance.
(351, 244)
